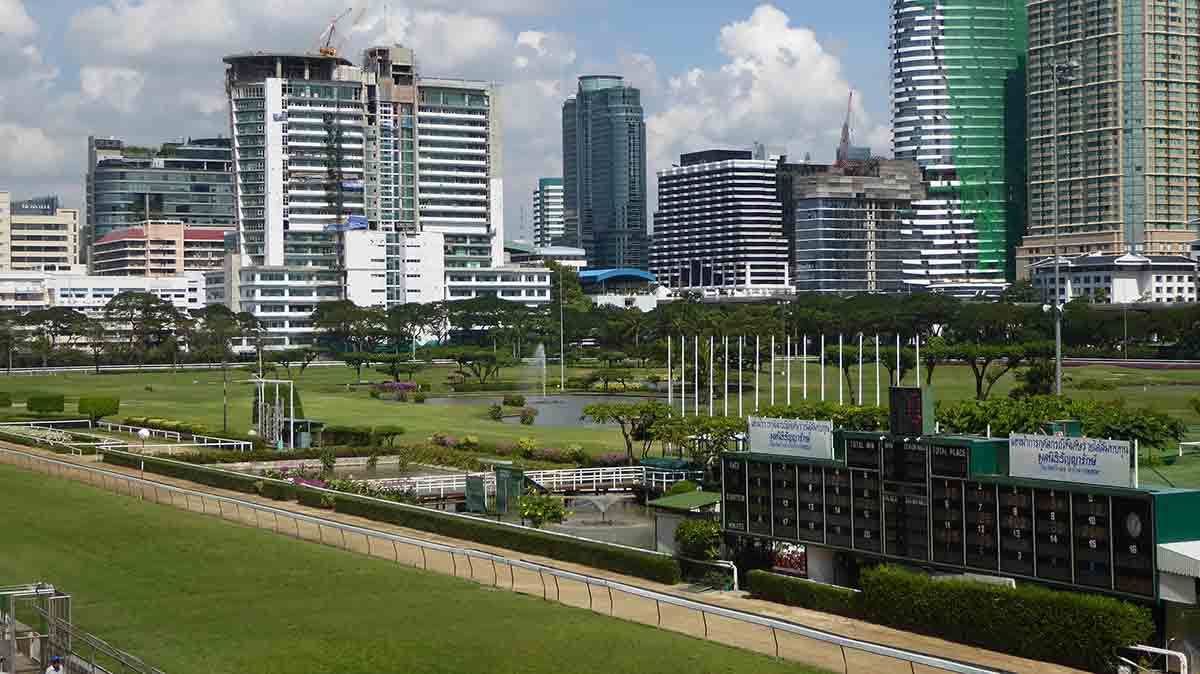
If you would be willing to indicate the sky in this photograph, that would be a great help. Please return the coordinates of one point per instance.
(712, 73)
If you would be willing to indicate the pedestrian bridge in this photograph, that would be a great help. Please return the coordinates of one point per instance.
(569, 481)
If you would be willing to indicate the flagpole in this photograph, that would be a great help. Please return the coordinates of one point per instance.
(710, 375)
(670, 380)
(918, 360)
(741, 379)
(898, 373)
(696, 375)
(841, 401)
(860, 365)
(772, 370)
(877, 400)
(804, 365)
(757, 369)
(822, 363)
(725, 394)
(682, 375)
(789, 370)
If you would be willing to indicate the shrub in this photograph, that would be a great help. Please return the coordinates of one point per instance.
(698, 539)
(386, 435)
(575, 454)
(525, 448)
(346, 435)
(648, 565)
(542, 509)
(682, 487)
(1068, 628)
(212, 477)
(514, 400)
(45, 403)
(98, 407)
(609, 459)
(804, 593)
(311, 498)
(438, 438)
(528, 415)
(278, 490)
(5, 399)
(418, 397)
(496, 412)
(1094, 385)
(476, 387)
(374, 393)
(396, 387)
(468, 442)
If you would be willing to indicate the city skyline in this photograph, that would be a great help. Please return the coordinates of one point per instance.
(533, 50)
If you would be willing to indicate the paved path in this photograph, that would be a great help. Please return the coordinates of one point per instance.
(812, 652)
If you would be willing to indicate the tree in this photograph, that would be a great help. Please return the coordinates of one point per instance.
(11, 335)
(394, 365)
(97, 340)
(887, 357)
(636, 421)
(299, 358)
(481, 364)
(610, 374)
(703, 437)
(54, 327)
(335, 322)
(147, 319)
(217, 329)
(988, 363)
(404, 323)
(1021, 292)
(357, 360)
(542, 509)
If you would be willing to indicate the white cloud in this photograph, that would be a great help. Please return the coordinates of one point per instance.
(31, 149)
(118, 87)
(15, 22)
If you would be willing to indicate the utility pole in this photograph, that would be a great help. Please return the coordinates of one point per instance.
(1064, 73)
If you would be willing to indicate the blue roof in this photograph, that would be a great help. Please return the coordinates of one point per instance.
(601, 275)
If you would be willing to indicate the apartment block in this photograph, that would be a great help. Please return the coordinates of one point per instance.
(1114, 128)
(548, 222)
(38, 234)
(158, 248)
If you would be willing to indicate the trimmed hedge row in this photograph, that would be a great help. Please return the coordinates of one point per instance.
(5, 399)
(654, 567)
(43, 403)
(247, 484)
(98, 407)
(194, 429)
(650, 566)
(1068, 628)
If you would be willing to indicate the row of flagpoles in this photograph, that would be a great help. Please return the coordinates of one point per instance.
(791, 354)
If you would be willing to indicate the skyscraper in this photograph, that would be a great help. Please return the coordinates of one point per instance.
(958, 111)
(719, 226)
(1114, 127)
(604, 172)
(548, 211)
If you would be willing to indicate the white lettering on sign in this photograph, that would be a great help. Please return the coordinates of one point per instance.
(1084, 460)
(803, 438)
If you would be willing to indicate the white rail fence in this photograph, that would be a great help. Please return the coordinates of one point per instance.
(61, 434)
(742, 629)
(574, 479)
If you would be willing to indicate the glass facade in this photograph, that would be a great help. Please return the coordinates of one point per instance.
(604, 173)
(190, 182)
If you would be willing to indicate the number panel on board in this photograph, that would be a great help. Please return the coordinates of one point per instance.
(867, 517)
(783, 493)
(1133, 545)
(980, 507)
(1016, 530)
(1093, 565)
(759, 497)
(811, 504)
(947, 515)
(733, 484)
(838, 502)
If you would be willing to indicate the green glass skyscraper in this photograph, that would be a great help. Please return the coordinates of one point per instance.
(958, 110)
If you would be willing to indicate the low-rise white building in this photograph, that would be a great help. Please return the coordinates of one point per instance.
(1118, 279)
(32, 290)
(527, 285)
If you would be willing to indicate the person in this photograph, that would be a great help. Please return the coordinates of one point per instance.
(56, 665)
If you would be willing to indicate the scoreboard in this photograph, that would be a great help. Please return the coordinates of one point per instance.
(947, 501)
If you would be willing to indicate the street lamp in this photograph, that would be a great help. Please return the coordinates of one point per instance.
(1064, 73)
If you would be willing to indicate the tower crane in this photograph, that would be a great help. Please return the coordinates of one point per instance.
(843, 151)
(326, 41)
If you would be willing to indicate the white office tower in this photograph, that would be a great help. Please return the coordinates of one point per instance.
(548, 223)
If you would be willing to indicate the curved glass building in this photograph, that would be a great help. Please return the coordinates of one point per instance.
(958, 110)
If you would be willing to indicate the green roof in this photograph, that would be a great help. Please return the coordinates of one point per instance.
(686, 502)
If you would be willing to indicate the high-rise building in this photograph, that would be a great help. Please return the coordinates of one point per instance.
(38, 235)
(189, 181)
(158, 248)
(548, 212)
(1114, 127)
(958, 111)
(719, 226)
(604, 172)
(847, 228)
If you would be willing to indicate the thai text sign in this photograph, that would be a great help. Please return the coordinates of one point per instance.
(1083, 460)
(804, 438)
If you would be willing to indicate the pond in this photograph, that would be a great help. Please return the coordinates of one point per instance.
(612, 518)
(554, 411)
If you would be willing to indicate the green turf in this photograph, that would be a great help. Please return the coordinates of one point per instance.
(190, 593)
(195, 396)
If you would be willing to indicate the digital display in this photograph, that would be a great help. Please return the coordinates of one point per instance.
(906, 413)
(1016, 530)
(1052, 518)
(838, 500)
(1133, 546)
(980, 512)
(811, 503)
(733, 487)
(1091, 540)
(867, 516)
(949, 461)
(783, 493)
(758, 495)
(863, 452)
(946, 514)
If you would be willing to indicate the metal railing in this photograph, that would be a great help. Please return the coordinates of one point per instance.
(742, 629)
(570, 479)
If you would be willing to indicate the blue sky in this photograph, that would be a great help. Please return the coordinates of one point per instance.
(712, 73)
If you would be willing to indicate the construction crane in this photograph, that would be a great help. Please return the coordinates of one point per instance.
(327, 46)
(843, 151)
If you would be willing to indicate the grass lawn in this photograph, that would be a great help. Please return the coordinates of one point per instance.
(190, 593)
(195, 395)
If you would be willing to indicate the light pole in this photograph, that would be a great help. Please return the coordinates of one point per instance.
(562, 344)
(1064, 73)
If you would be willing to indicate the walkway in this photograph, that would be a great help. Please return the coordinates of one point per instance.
(826, 658)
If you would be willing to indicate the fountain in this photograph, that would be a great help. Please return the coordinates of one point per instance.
(539, 356)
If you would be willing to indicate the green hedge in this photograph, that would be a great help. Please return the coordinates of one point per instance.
(804, 593)
(5, 399)
(185, 471)
(1069, 628)
(346, 435)
(98, 407)
(194, 429)
(476, 387)
(278, 490)
(45, 403)
(310, 497)
(646, 565)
